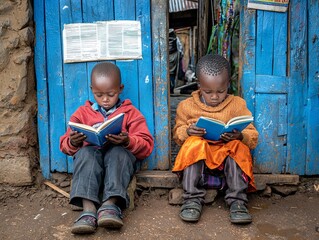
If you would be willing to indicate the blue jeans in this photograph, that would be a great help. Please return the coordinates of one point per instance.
(100, 174)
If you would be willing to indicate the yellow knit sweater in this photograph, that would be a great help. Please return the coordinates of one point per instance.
(189, 110)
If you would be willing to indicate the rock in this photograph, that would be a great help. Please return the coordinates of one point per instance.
(210, 196)
(64, 184)
(22, 56)
(131, 193)
(26, 36)
(4, 57)
(175, 196)
(276, 196)
(160, 192)
(59, 177)
(262, 180)
(267, 192)
(6, 7)
(15, 170)
(285, 190)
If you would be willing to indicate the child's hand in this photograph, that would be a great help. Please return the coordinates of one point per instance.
(76, 138)
(195, 131)
(121, 139)
(230, 136)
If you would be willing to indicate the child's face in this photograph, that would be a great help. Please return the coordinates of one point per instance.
(213, 88)
(106, 90)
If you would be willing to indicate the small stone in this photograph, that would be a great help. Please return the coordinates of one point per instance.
(131, 193)
(26, 36)
(59, 177)
(160, 192)
(64, 184)
(277, 196)
(267, 192)
(175, 196)
(210, 196)
(285, 190)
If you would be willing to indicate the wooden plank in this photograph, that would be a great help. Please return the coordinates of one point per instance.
(59, 190)
(145, 75)
(312, 161)
(74, 74)
(280, 44)
(96, 10)
(159, 13)
(264, 44)
(125, 10)
(167, 179)
(202, 34)
(247, 63)
(297, 90)
(55, 81)
(282, 116)
(271, 84)
(42, 88)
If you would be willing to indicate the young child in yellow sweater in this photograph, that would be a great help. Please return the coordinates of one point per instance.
(230, 155)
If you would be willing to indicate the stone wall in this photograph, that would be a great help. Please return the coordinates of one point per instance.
(18, 130)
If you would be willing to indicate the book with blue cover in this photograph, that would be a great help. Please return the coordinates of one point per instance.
(214, 128)
(96, 136)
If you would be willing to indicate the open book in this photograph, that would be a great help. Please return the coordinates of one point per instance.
(96, 136)
(214, 128)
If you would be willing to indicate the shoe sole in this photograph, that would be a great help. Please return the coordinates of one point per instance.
(83, 230)
(110, 223)
(241, 221)
(188, 219)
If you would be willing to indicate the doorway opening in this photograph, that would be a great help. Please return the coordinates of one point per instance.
(197, 28)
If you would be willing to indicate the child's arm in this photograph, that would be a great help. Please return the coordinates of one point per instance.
(250, 136)
(181, 125)
(71, 141)
(140, 142)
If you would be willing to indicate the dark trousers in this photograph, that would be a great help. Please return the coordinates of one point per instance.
(100, 174)
(194, 185)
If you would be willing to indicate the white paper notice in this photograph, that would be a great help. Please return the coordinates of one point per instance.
(107, 40)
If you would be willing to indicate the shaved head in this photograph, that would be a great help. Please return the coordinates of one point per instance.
(212, 65)
(105, 70)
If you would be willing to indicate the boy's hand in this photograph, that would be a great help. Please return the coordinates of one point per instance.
(195, 131)
(76, 138)
(121, 139)
(230, 136)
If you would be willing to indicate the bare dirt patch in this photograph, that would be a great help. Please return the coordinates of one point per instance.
(37, 212)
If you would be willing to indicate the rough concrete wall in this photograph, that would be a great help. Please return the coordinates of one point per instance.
(18, 139)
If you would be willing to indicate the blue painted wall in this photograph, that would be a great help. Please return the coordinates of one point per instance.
(280, 82)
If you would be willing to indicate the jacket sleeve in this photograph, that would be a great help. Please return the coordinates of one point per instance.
(181, 125)
(65, 144)
(141, 141)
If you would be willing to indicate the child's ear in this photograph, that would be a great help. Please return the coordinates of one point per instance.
(121, 88)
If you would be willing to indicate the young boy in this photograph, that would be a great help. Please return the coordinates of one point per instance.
(102, 175)
(230, 155)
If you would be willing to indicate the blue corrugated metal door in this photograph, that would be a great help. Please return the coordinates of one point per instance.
(280, 60)
(62, 88)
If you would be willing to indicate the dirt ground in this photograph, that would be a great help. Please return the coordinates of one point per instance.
(41, 213)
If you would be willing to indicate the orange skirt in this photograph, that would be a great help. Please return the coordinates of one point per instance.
(214, 153)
